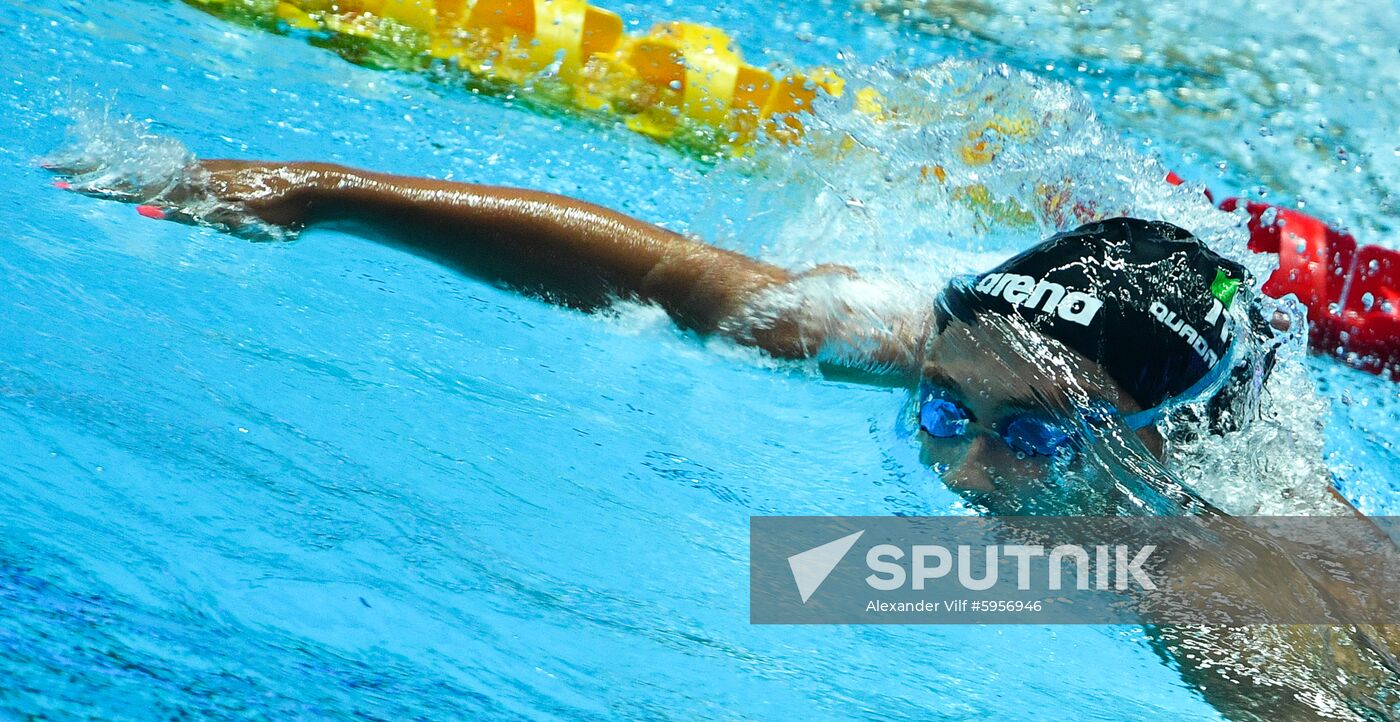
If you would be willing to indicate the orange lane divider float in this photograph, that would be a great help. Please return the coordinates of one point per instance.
(679, 82)
(685, 84)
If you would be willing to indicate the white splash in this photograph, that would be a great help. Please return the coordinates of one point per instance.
(953, 168)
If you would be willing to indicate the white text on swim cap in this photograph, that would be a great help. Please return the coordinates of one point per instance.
(1044, 296)
(1188, 333)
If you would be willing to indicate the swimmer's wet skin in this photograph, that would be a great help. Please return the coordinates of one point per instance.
(1019, 370)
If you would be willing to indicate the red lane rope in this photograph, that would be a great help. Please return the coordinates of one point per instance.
(1352, 294)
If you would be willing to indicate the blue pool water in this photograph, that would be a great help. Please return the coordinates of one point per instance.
(329, 479)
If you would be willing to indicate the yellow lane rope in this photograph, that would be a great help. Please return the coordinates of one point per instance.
(680, 83)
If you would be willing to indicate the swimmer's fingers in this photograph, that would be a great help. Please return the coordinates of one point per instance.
(227, 195)
(102, 183)
(226, 217)
(105, 192)
(250, 199)
(70, 166)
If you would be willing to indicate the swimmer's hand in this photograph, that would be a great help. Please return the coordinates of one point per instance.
(248, 198)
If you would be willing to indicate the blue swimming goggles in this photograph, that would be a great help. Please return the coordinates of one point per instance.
(1034, 435)
(1027, 434)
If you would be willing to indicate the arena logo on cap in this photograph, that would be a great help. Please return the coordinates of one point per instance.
(1042, 295)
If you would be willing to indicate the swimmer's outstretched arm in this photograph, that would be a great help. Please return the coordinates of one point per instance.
(568, 250)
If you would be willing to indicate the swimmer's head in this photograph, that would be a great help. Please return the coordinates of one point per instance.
(1114, 321)
(1144, 300)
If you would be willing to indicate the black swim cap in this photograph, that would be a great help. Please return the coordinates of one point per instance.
(1145, 299)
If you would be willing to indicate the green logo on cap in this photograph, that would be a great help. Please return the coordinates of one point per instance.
(1224, 287)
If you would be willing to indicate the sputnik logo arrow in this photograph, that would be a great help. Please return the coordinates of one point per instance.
(812, 567)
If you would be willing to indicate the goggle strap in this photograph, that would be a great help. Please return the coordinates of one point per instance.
(1147, 417)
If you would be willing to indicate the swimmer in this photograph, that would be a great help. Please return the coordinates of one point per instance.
(1125, 307)
(1021, 373)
